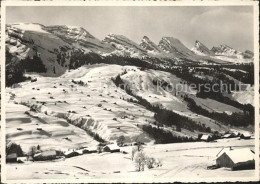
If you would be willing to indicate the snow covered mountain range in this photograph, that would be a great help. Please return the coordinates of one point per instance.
(54, 43)
(223, 52)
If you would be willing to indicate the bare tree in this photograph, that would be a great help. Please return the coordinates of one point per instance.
(140, 161)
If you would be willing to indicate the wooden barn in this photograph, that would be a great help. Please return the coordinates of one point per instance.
(111, 148)
(236, 159)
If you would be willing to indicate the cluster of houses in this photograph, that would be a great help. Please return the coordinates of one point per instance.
(111, 148)
(235, 159)
(209, 137)
(53, 154)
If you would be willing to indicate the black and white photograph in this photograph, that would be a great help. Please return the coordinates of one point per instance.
(129, 91)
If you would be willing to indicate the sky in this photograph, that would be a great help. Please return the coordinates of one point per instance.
(230, 25)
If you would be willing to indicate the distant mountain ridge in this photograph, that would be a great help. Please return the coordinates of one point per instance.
(55, 46)
(222, 50)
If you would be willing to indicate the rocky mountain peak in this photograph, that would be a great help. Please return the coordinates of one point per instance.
(200, 49)
(148, 45)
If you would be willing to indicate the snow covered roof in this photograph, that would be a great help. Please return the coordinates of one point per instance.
(227, 135)
(22, 159)
(9, 144)
(222, 151)
(93, 148)
(240, 155)
(113, 146)
(204, 137)
(46, 153)
(246, 134)
(80, 151)
(69, 152)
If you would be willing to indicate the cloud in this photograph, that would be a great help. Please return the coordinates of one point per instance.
(224, 25)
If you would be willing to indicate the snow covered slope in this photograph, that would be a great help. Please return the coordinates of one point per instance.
(89, 99)
(27, 40)
(246, 96)
(98, 105)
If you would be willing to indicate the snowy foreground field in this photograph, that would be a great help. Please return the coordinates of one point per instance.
(178, 160)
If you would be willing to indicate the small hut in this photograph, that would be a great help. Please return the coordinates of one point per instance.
(236, 159)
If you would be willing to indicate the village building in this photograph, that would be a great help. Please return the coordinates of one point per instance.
(236, 159)
(235, 134)
(22, 159)
(11, 157)
(45, 155)
(79, 151)
(205, 138)
(245, 135)
(92, 149)
(111, 148)
(71, 153)
(227, 136)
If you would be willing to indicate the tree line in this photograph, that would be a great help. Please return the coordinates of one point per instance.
(164, 116)
(163, 137)
(235, 119)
